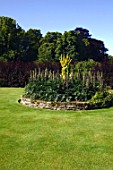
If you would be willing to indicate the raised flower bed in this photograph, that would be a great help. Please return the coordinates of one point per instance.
(56, 105)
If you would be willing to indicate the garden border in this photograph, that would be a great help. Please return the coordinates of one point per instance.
(75, 105)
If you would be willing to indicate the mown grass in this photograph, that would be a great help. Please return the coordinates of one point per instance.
(37, 139)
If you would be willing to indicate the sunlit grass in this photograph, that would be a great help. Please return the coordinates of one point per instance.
(37, 139)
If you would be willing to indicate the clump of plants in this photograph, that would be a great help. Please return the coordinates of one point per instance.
(102, 99)
(68, 85)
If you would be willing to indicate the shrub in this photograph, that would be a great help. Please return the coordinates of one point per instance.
(102, 99)
(15, 74)
(85, 65)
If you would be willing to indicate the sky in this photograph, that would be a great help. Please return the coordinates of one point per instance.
(63, 15)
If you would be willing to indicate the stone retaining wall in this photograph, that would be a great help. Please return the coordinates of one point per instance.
(56, 105)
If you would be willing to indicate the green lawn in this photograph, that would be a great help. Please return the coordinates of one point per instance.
(35, 139)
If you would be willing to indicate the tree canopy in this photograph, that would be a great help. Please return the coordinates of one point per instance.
(16, 43)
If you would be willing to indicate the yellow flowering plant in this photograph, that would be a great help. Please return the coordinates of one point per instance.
(65, 63)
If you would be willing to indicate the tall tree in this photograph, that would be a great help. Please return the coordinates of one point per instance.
(82, 43)
(30, 44)
(67, 44)
(9, 38)
(74, 43)
(97, 50)
(47, 49)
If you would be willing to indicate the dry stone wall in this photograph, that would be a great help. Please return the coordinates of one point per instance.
(56, 105)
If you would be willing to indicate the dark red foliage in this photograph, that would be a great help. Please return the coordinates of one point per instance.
(16, 74)
(53, 66)
(107, 68)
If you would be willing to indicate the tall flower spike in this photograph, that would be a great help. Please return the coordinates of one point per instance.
(65, 62)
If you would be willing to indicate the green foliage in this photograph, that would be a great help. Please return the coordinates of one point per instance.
(48, 44)
(102, 99)
(9, 38)
(32, 37)
(16, 43)
(52, 87)
(79, 85)
(85, 65)
(31, 46)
